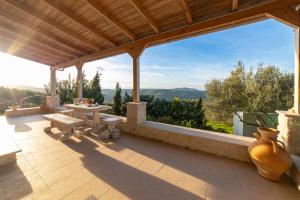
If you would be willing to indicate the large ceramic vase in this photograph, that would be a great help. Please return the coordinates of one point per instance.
(269, 155)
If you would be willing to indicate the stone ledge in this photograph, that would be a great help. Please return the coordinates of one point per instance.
(294, 172)
(23, 112)
(231, 146)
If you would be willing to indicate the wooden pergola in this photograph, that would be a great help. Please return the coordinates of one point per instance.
(67, 33)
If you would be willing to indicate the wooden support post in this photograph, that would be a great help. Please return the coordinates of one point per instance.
(135, 53)
(79, 66)
(297, 72)
(53, 81)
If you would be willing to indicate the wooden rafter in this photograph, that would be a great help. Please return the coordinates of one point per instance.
(235, 4)
(187, 12)
(240, 17)
(111, 19)
(50, 22)
(21, 45)
(41, 31)
(139, 7)
(79, 20)
(26, 53)
(286, 16)
(39, 43)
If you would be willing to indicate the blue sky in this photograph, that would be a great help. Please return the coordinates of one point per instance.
(186, 63)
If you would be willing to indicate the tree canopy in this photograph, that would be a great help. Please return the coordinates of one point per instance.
(265, 90)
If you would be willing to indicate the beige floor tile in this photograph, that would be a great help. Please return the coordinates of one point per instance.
(24, 189)
(113, 194)
(63, 172)
(150, 166)
(194, 185)
(71, 183)
(170, 174)
(93, 188)
(134, 160)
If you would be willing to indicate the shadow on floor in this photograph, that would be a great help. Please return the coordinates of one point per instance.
(13, 182)
(20, 123)
(128, 180)
(223, 174)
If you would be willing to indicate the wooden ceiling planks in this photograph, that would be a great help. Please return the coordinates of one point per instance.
(102, 11)
(50, 22)
(58, 31)
(186, 10)
(78, 20)
(140, 8)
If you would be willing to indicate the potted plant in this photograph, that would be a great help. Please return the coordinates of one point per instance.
(267, 153)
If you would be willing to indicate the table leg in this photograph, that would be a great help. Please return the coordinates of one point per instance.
(96, 119)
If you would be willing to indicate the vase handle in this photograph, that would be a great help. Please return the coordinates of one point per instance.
(275, 146)
(257, 135)
(282, 145)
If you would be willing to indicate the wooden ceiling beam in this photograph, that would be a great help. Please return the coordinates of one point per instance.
(235, 4)
(51, 23)
(187, 11)
(111, 19)
(22, 45)
(139, 7)
(286, 16)
(79, 20)
(240, 17)
(37, 41)
(41, 31)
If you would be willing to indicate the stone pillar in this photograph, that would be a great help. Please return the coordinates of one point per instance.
(289, 128)
(289, 133)
(53, 100)
(53, 81)
(135, 53)
(136, 79)
(297, 72)
(79, 66)
(136, 114)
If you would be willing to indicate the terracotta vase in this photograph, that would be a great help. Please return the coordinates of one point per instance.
(269, 155)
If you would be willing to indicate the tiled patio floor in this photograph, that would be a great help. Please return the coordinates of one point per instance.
(129, 168)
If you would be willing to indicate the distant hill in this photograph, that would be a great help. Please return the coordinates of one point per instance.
(25, 87)
(168, 94)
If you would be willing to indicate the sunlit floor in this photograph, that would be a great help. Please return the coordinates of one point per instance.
(128, 168)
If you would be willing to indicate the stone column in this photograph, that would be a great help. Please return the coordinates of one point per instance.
(136, 113)
(136, 79)
(79, 67)
(136, 110)
(53, 81)
(53, 100)
(289, 128)
(297, 72)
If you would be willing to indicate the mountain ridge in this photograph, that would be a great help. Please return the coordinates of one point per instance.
(168, 94)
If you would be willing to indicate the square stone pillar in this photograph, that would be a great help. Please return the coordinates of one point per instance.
(136, 114)
(289, 128)
(53, 101)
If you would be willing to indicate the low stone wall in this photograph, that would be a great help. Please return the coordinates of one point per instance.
(231, 146)
(23, 112)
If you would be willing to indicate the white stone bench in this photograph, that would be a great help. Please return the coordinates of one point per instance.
(111, 123)
(8, 150)
(68, 112)
(65, 123)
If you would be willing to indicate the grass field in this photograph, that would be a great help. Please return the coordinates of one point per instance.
(219, 127)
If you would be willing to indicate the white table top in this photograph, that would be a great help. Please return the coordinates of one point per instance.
(90, 109)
